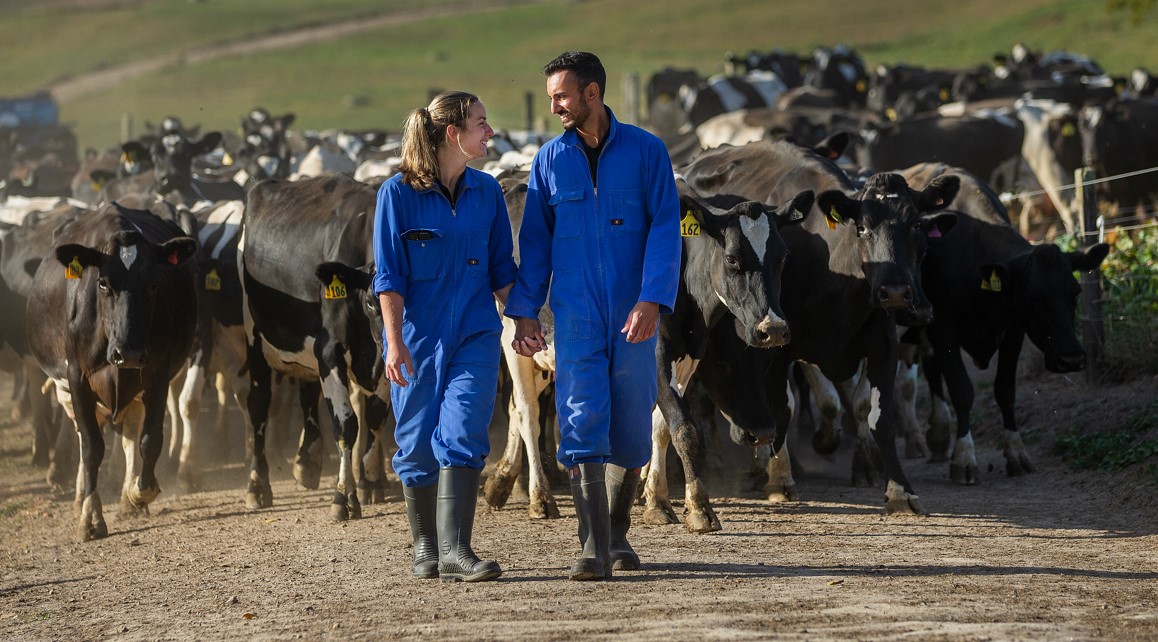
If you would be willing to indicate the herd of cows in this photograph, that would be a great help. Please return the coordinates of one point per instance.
(838, 235)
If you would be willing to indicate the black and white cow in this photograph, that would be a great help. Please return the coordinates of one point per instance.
(789, 67)
(289, 229)
(842, 70)
(1121, 137)
(721, 94)
(111, 321)
(733, 255)
(990, 288)
(851, 273)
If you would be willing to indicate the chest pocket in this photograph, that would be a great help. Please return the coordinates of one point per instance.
(424, 251)
(627, 212)
(569, 213)
(476, 252)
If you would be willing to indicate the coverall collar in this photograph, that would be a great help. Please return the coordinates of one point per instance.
(468, 180)
(571, 137)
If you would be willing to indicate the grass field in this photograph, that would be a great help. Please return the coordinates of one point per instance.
(373, 78)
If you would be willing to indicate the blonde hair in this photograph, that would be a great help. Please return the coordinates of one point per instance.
(425, 130)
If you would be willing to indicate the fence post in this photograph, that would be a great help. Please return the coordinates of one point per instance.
(1093, 335)
(126, 127)
(529, 108)
(630, 89)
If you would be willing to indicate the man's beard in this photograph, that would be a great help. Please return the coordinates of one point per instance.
(578, 117)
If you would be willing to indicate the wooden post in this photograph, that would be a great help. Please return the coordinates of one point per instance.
(630, 90)
(126, 127)
(1093, 331)
(529, 106)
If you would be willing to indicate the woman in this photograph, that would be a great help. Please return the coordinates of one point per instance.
(442, 245)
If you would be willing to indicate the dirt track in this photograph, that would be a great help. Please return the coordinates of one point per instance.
(1051, 556)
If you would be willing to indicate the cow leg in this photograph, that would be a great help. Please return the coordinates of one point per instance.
(882, 419)
(40, 409)
(805, 419)
(131, 430)
(522, 426)
(64, 452)
(91, 524)
(866, 457)
(781, 486)
(258, 494)
(1017, 460)
(963, 466)
(906, 387)
(940, 417)
(827, 439)
(658, 510)
(699, 516)
(308, 459)
(189, 404)
(376, 411)
(335, 386)
(543, 468)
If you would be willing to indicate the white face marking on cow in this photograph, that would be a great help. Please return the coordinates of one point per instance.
(757, 232)
(848, 70)
(681, 373)
(774, 318)
(1093, 116)
(128, 255)
(874, 408)
(722, 299)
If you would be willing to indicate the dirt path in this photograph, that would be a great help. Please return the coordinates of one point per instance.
(1052, 556)
(71, 88)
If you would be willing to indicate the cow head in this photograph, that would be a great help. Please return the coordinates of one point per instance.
(891, 237)
(350, 312)
(127, 273)
(266, 152)
(736, 257)
(1042, 285)
(173, 156)
(842, 70)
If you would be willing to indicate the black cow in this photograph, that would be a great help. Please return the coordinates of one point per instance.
(842, 70)
(1142, 84)
(899, 91)
(722, 94)
(111, 321)
(290, 228)
(1118, 138)
(789, 67)
(990, 288)
(265, 151)
(851, 273)
(731, 262)
(976, 143)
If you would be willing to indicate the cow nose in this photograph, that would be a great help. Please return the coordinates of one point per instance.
(771, 333)
(126, 358)
(895, 296)
(752, 438)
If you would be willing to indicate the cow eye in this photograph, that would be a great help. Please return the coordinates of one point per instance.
(370, 305)
(861, 231)
(732, 260)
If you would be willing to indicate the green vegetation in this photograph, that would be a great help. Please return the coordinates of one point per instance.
(8, 510)
(1130, 304)
(496, 52)
(1113, 450)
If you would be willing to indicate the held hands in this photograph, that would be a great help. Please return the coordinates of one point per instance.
(641, 322)
(397, 357)
(529, 337)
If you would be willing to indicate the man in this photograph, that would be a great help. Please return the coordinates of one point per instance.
(601, 227)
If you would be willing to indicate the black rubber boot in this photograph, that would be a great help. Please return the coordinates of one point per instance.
(590, 493)
(622, 485)
(457, 496)
(421, 506)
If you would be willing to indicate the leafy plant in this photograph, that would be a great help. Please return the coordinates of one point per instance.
(1113, 450)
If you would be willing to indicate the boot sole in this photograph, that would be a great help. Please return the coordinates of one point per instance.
(481, 577)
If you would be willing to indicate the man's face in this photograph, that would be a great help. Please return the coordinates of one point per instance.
(567, 100)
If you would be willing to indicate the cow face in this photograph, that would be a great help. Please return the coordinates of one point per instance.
(743, 254)
(266, 152)
(350, 312)
(891, 237)
(173, 156)
(127, 280)
(1046, 292)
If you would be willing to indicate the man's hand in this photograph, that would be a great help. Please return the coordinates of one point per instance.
(641, 322)
(529, 337)
(398, 357)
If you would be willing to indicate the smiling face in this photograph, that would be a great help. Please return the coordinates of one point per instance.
(568, 101)
(472, 138)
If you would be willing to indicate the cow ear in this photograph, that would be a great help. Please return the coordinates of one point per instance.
(712, 180)
(837, 207)
(100, 178)
(696, 217)
(833, 146)
(333, 274)
(72, 253)
(208, 143)
(938, 194)
(285, 121)
(176, 251)
(938, 225)
(796, 210)
(134, 150)
(1090, 259)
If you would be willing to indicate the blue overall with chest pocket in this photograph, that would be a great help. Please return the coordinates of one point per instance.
(445, 263)
(604, 245)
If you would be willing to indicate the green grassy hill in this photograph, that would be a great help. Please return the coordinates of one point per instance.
(495, 49)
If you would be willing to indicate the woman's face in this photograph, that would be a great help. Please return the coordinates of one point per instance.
(472, 138)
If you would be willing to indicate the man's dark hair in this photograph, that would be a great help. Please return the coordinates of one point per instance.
(584, 65)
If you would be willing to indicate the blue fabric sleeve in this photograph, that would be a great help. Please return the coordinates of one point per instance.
(535, 238)
(390, 262)
(502, 260)
(661, 261)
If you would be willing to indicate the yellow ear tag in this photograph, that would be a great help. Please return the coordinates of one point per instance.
(992, 284)
(74, 269)
(212, 280)
(336, 289)
(943, 95)
(833, 218)
(226, 159)
(689, 226)
(1068, 130)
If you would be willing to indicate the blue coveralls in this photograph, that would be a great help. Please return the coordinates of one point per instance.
(445, 263)
(607, 249)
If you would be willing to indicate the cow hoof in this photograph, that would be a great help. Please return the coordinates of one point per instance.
(142, 497)
(863, 479)
(898, 501)
(964, 475)
(661, 515)
(916, 449)
(131, 510)
(1018, 467)
(780, 495)
(543, 509)
(497, 490)
(345, 507)
(86, 532)
(188, 484)
(58, 480)
(704, 521)
(259, 496)
(308, 476)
